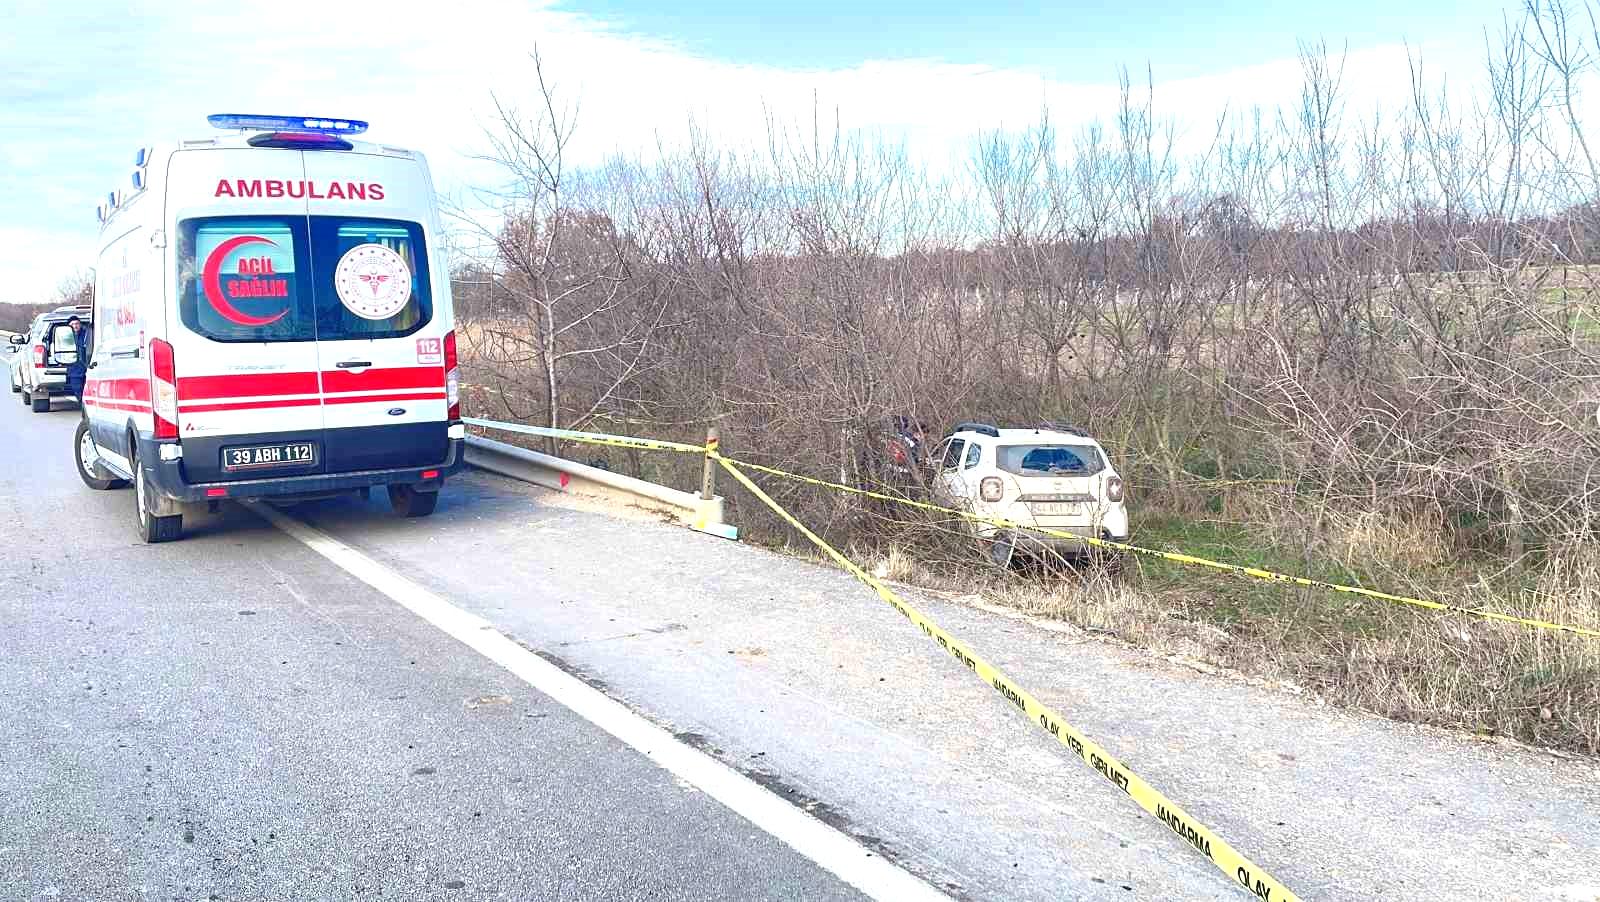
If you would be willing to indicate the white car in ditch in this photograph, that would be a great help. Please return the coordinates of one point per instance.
(1052, 476)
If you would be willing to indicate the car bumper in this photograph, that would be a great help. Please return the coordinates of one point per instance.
(1034, 542)
(166, 478)
(1027, 541)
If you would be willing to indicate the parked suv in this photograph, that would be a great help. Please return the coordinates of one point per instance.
(17, 346)
(1053, 476)
(50, 349)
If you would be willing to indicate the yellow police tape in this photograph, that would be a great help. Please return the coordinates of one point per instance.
(1177, 557)
(1240, 869)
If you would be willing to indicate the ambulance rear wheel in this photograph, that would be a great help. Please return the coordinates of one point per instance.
(152, 529)
(27, 398)
(408, 502)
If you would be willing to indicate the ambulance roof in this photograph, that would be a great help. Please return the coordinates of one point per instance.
(258, 131)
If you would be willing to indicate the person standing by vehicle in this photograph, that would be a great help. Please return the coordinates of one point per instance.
(78, 370)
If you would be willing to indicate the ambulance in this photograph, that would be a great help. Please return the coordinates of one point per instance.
(272, 321)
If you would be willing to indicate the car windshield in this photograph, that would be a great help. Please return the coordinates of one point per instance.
(1050, 460)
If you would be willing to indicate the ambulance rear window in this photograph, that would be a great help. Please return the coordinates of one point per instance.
(296, 278)
(372, 278)
(241, 279)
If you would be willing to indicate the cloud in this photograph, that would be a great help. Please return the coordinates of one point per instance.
(82, 85)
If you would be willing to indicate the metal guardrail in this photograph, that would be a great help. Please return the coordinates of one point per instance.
(689, 508)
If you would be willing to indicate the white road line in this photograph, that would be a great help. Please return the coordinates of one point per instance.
(834, 851)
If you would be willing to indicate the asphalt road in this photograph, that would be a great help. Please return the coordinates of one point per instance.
(233, 717)
(330, 744)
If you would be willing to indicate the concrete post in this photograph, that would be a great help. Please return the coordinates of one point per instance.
(708, 480)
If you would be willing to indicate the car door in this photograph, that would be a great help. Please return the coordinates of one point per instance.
(947, 482)
(382, 312)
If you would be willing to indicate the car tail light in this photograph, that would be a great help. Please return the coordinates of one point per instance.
(1114, 489)
(452, 378)
(38, 355)
(991, 488)
(164, 389)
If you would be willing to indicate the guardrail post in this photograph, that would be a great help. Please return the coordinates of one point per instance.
(708, 479)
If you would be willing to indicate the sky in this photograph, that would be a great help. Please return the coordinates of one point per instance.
(84, 84)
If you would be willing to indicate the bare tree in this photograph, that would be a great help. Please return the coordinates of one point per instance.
(575, 313)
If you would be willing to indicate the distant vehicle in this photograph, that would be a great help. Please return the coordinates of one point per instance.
(274, 322)
(1052, 475)
(49, 349)
(13, 346)
(893, 454)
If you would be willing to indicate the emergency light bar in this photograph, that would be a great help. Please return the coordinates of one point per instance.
(250, 122)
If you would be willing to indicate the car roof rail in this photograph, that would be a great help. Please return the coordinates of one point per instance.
(1063, 427)
(980, 428)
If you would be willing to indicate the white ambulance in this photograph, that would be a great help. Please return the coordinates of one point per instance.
(272, 320)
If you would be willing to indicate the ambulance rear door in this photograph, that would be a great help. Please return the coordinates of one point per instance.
(382, 310)
(243, 331)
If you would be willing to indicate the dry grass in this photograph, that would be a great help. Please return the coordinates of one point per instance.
(1487, 678)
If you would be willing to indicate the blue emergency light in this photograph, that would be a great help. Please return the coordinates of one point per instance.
(250, 122)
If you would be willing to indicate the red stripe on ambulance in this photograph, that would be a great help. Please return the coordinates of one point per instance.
(341, 381)
(247, 385)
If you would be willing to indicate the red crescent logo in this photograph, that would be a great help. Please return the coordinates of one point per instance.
(212, 280)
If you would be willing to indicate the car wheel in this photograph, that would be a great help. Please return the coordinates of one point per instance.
(408, 502)
(40, 405)
(1000, 549)
(27, 399)
(152, 529)
(88, 456)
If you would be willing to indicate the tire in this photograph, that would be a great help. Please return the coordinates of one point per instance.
(40, 405)
(83, 447)
(27, 399)
(408, 502)
(152, 529)
(14, 386)
(1000, 549)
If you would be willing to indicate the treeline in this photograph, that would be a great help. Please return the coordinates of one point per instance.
(75, 289)
(18, 317)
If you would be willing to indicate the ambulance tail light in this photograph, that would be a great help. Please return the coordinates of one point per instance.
(164, 389)
(38, 355)
(452, 378)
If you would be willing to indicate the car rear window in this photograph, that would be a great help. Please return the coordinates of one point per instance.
(1050, 460)
(295, 278)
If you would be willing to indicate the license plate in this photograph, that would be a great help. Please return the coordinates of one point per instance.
(1056, 508)
(261, 457)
